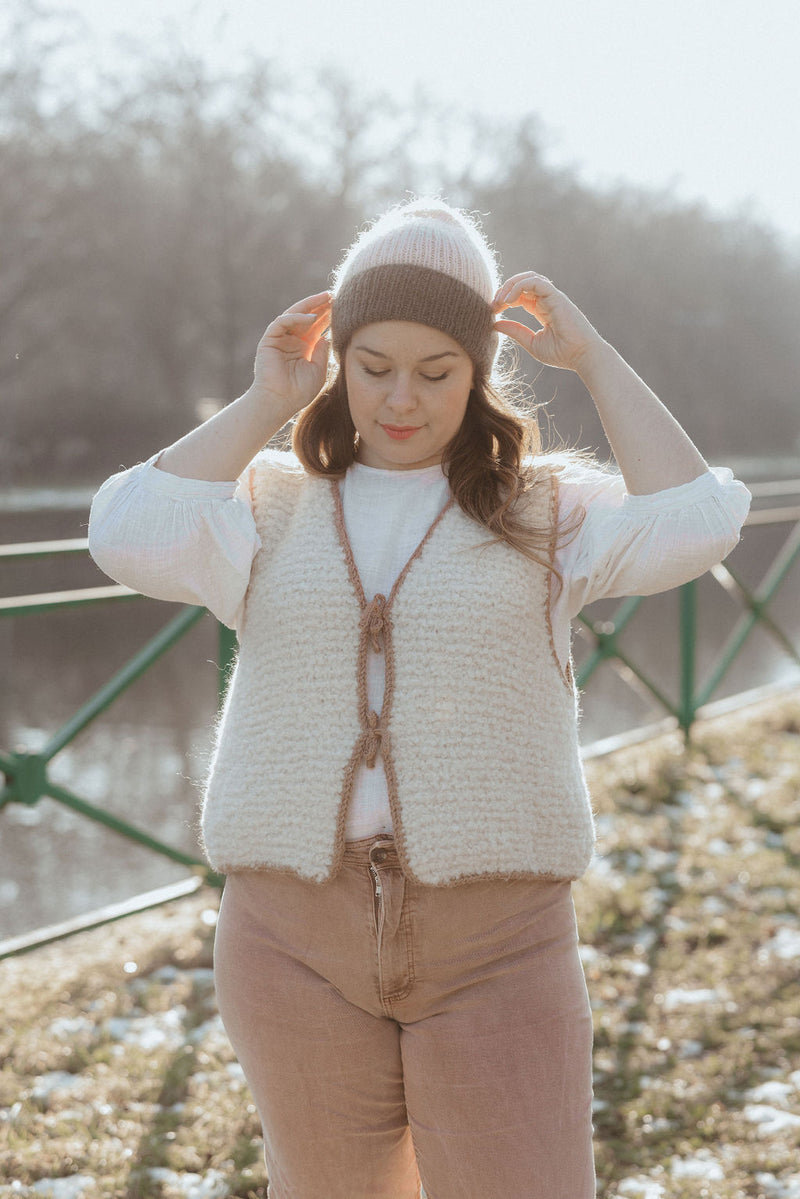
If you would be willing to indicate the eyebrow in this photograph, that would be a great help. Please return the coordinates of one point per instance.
(430, 358)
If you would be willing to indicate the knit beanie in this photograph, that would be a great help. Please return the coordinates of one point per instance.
(421, 261)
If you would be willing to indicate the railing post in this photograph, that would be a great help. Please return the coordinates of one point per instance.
(688, 636)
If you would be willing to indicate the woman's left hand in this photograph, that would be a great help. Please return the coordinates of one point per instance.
(566, 335)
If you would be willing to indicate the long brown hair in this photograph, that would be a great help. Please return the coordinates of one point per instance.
(487, 463)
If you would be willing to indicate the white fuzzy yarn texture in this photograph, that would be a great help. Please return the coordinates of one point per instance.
(290, 720)
(483, 726)
(428, 232)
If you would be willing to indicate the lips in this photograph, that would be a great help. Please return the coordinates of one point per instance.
(401, 432)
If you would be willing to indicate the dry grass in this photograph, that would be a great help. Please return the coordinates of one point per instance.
(698, 891)
(691, 944)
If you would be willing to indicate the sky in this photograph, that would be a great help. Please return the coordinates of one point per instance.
(696, 97)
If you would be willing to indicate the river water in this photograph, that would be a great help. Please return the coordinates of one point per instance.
(144, 759)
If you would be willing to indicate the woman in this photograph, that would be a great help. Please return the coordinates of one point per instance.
(396, 795)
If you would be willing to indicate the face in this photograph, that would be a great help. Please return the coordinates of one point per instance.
(407, 387)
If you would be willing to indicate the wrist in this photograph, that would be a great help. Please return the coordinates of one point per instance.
(267, 406)
(594, 360)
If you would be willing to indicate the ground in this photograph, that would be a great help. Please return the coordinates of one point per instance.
(117, 1080)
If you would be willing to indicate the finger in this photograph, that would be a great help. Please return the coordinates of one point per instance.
(319, 354)
(304, 324)
(294, 322)
(540, 307)
(315, 337)
(528, 282)
(315, 332)
(301, 323)
(309, 302)
(529, 292)
(312, 338)
(521, 334)
(524, 277)
(288, 330)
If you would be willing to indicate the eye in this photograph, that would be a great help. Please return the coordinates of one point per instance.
(429, 378)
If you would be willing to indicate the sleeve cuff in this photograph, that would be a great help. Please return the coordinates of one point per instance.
(711, 481)
(155, 479)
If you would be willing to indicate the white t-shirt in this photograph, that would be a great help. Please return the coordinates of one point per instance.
(193, 542)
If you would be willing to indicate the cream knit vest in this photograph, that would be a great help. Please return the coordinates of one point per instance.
(478, 732)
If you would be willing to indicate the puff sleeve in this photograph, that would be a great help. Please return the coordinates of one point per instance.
(178, 539)
(641, 544)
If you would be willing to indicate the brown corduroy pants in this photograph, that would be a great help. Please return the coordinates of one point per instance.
(392, 1032)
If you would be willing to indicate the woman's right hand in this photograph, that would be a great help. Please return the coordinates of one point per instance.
(292, 356)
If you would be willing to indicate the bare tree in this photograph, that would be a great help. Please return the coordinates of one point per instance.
(154, 224)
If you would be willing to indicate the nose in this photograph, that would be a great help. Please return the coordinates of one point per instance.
(401, 398)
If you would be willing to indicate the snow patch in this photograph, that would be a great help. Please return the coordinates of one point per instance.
(679, 997)
(149, 1032)
(65, 1027)
(632, 966)
(193, 1186)
(63, 1188)
(780, 1188)
(771, 1092)
(785, 944)
(703, 1165)
(640, 1188)
(770, 1120)
(58, 1081)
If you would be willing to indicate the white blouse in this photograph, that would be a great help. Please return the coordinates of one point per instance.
(194, 542)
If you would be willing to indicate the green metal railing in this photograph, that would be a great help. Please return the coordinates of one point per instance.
(605, 634)
(27, 777)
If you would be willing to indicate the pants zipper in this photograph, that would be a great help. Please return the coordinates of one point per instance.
(378, 921)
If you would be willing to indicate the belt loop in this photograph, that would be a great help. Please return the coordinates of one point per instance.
(381, 847)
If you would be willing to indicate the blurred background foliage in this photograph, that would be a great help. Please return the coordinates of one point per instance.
(154, 222)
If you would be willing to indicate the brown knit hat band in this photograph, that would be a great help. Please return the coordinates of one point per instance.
(409, 292)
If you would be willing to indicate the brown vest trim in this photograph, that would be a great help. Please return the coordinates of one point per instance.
(566, 674)
(376, 630)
